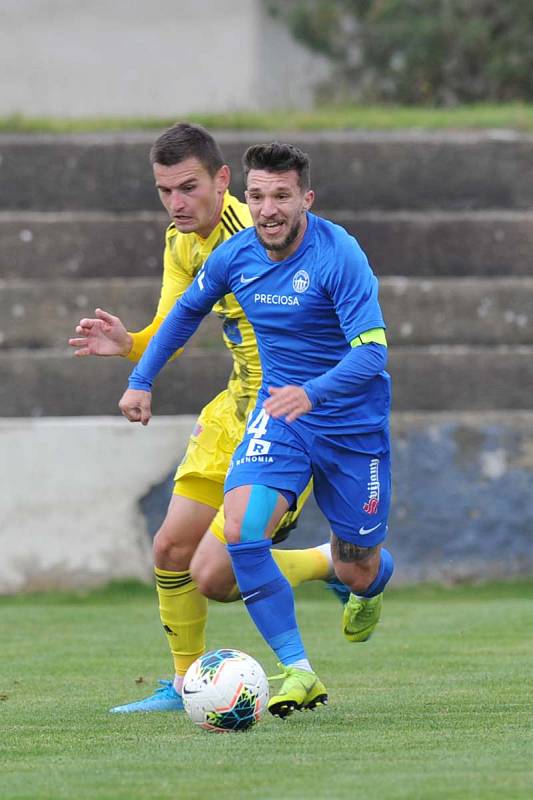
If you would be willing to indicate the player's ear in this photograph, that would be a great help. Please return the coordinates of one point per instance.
(309, 198)
(222, 178)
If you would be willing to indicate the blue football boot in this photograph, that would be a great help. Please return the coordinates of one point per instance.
(165, 698)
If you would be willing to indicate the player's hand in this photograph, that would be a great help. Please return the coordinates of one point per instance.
(287, 401)
(103, 336)
(136, 405)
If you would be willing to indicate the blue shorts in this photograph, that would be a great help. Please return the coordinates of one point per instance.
(351, 472)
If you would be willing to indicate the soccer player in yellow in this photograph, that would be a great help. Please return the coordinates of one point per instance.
(190, 556)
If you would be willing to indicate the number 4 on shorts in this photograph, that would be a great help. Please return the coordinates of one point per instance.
(258, 426)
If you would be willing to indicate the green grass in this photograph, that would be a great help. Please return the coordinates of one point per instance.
(515, 116)
(435, 707)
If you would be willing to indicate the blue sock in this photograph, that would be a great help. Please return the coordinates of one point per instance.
(386, 568)
(268, 597)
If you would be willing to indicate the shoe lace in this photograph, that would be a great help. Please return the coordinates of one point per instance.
(364, 610)
(282, 675)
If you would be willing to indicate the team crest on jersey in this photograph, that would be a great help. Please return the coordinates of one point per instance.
(300, 282)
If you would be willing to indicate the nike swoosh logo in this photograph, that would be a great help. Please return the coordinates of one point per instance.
(249, 280)
(191, 691)
(364, 531)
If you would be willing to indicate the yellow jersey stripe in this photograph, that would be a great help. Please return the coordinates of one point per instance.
(229, 226)
(231, 210)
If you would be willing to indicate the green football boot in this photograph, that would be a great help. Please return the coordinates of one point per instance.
(361, 616)
(300, 690)
(317, 696)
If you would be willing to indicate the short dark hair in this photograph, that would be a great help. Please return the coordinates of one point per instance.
(278, 157)
(183, 141)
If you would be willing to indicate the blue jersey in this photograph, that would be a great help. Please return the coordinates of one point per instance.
(305, 311)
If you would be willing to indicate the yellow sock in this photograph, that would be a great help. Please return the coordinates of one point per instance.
(183, 612)
(298, 566)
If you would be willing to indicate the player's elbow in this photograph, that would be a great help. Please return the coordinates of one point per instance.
(379, 354)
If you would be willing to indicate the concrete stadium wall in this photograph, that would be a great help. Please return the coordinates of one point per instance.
(76, 498)
(164, 59)
(70, 491)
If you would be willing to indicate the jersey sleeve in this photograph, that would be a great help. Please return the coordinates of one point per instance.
(177, 276)
(353, 289)
(181, 321)
(358, 366)
(211, 283)
(140, 339)
(176, 281)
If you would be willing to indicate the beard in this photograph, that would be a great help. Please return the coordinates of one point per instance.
(285, 243)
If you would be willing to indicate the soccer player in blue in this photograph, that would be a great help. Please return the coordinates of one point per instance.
(322, 411)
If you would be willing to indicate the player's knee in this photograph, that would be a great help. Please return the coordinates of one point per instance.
(210, 581)
(171, 553)
(232, 529)
(253, 520)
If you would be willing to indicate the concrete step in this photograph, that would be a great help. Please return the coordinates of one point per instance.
(81, 244)
(94, 244)
(353, 170)
(460, 378)
(444, 243)
(42, 314)
(55, 383)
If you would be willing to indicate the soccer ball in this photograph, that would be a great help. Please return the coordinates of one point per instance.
(225, 690)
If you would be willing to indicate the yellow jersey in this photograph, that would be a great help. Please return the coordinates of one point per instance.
(185, 254)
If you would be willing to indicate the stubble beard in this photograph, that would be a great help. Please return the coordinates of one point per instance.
(287, 241)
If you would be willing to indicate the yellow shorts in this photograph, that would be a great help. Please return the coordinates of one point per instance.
(202, 471)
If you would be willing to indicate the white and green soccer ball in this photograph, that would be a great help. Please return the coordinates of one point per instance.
(225, 690)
